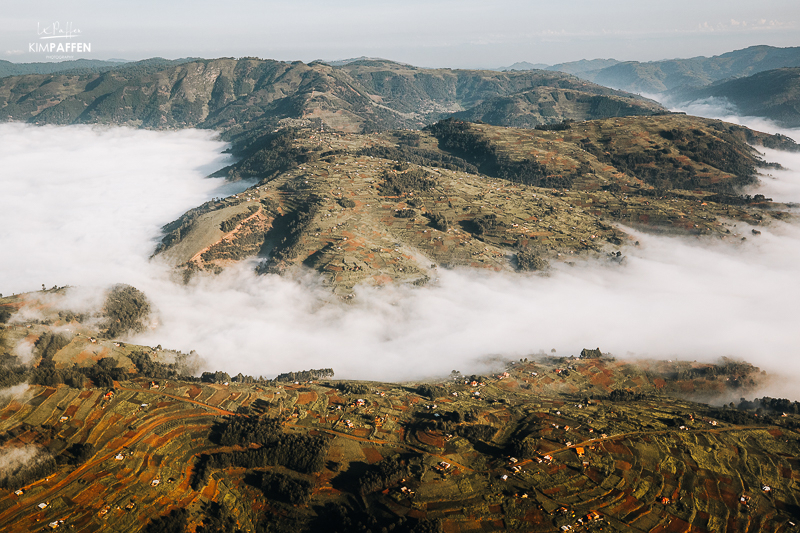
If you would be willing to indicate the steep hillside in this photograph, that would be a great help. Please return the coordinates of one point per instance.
(545, 105)
(395, 206)
(239, 96)
(584, 67)
(8, 68)
(660, 76)
(774, 94)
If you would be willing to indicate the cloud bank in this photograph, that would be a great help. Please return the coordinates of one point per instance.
(90, 213)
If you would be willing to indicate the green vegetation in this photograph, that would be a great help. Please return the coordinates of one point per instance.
(384, 474)
(421, 157)
(306, 375)
(676, 74)
(350, 387)
(299, 452)
(229, 224)
(460, 138)
(126, 310)
(287, 230)
(284, 488)
(415, 180)
(772, 94)
(531, 261)
(267, 156)
(438, 221)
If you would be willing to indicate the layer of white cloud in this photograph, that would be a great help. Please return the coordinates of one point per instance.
(92, 201)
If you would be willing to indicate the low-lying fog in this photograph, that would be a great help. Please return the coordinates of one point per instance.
(83, 207)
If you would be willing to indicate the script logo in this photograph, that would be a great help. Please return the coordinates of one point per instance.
(56, 31)
(57, 38)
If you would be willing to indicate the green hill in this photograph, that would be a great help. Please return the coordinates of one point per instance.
(773, 94)
(236, 96)
(660, 76)
(546, 105)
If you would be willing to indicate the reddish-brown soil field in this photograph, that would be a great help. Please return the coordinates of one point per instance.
(372, 454)
(431, 439)
(305, 398)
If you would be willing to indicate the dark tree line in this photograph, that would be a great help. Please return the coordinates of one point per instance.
(11, 372)
(302, 453)
(173, 522)
(733, 416)
(415, 180)
(267, 156)
(287, 230)
(530, 261)
(339, 518)
(153, 369)
(476, 432)
(306, 375)
(483, 224)
(280, 487)
(50, 343)
(216, 518)
(353, 388)
(778, 405)
(626, 395)
(458, 137)
(244, 430)
(230, 223)
(560, 126)
(438, 221)
(126, 310)
(419, 156)
(429, 390)
(215, 377)
(661, 169)
(383, 474)
(76, 455)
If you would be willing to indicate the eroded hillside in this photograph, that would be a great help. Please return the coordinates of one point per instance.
(241, 96)
(396, 206)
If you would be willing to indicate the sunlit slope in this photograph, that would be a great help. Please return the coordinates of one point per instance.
(774, 94)
(542, 105)
(660, 76)
(396, 206)
(236, 96)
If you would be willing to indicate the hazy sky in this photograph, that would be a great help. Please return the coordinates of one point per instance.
(463, 33)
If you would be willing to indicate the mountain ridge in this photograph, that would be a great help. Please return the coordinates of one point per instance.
(237, 95)
(772, 94)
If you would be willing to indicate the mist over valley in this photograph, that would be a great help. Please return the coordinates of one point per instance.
(93, 202)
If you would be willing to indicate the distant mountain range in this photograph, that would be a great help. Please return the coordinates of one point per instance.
(578, 68)
(661, 76)
(368, 94)
(759, 80)
(773, 94)
(78, 66)
(238, 95)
